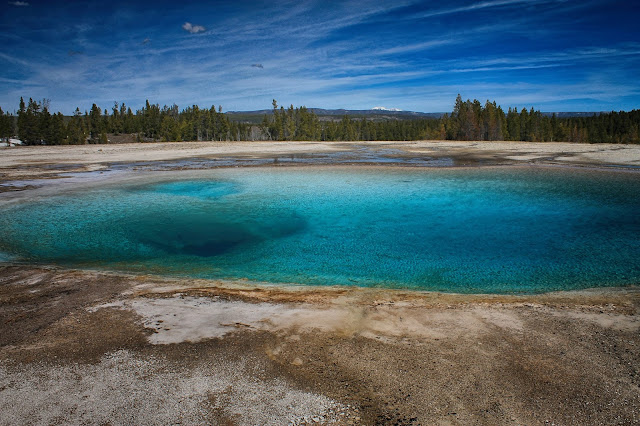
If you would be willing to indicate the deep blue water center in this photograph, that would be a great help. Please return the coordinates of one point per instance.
(458, 230)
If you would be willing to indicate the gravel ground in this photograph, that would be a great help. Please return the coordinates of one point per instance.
(125, 388)
(93, 348)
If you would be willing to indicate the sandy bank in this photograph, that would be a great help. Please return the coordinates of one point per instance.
(522, 151)
(20, 162)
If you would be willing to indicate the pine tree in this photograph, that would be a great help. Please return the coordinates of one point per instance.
(95, 123)
(115, 124)
(265, 128)
(22, 111)
(56, 130)
(6, 125)
(29, 123)
(290, 124)
(76, 131)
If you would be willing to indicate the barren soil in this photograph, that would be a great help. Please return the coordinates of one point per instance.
(50, 161)
(104, 348)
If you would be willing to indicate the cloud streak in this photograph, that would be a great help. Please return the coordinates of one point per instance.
(193, 29)
(354, 54)
(483, 5)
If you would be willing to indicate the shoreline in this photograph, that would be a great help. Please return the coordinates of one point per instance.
(65, 158)
(29, 167)
(241, 352)
(44, 168)
(244, 285)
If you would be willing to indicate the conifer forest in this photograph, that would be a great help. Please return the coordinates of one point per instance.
(34, 124)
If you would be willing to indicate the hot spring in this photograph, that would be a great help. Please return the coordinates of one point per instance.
(481, 230)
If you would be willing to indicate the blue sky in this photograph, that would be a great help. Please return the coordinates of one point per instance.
(555, 55)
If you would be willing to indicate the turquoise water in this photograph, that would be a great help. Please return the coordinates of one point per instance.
(456, 230)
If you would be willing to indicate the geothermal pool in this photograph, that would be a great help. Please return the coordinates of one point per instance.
(480, 230)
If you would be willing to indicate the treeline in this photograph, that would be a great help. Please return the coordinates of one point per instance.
(302, 124)
(35, 124)
(469, 120)
(7, 125)
(473, 121)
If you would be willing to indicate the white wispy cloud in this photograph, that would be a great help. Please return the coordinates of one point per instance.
(14, 59)
(545, 59)
(294, 76)
(350, 54)
(481, 5)
(300, 21)
(445, 39)
(193, 29)
(416, 46)
(19, 3)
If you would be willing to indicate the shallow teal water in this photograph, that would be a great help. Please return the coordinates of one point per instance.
(457, 230)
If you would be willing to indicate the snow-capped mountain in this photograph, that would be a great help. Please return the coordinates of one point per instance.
(381, 108)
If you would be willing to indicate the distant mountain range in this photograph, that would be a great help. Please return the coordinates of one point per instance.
(375, 114)
(574, 114)
(381, 108)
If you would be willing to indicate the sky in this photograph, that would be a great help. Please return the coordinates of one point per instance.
(553, 55)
